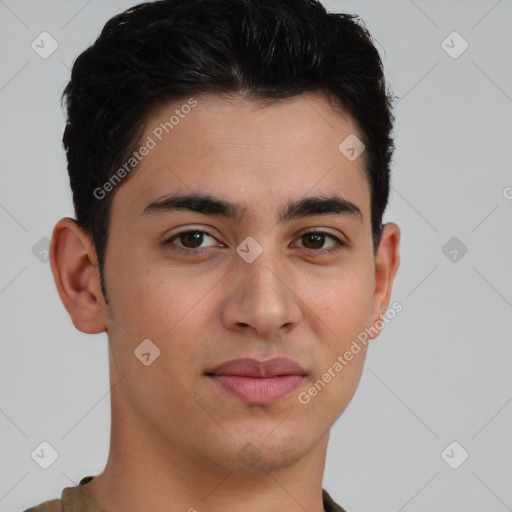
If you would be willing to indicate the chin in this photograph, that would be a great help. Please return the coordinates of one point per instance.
(261, 452)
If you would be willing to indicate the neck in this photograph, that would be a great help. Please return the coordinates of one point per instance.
(146, 472)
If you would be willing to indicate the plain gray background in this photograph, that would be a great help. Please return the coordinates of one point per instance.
(440, 371)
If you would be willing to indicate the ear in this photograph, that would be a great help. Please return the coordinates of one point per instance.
(75, 270)
(387, 261)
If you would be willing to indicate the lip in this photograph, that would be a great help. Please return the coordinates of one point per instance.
(258, 382)
(248, 367)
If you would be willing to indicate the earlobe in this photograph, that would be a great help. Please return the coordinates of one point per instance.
(75, 270)
(386, 265)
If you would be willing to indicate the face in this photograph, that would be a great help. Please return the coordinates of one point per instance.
(208, 282)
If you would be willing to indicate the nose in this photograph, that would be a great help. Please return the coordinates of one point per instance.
(261, 297)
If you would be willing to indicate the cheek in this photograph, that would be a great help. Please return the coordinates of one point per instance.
(345, 303)
(143, 296)
(169, 305)
(163, 306)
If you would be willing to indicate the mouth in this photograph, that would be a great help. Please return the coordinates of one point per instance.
(258, 382)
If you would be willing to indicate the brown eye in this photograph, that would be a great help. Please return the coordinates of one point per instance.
(189, 240)
(315, 242)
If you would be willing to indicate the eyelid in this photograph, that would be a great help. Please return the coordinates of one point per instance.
(340, 241)
(326, 231)
(201, 229)
(168, 239)
(187, 228)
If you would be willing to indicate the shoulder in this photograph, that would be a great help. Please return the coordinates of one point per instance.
(47, 506)
(329, 504)
(71, 498)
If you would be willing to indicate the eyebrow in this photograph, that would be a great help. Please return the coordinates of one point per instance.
(207, 204)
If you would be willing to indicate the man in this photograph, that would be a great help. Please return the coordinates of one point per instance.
(229, 162)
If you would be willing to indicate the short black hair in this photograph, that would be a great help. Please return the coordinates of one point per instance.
(167, 50)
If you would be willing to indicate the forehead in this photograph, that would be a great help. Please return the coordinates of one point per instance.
(248, 152)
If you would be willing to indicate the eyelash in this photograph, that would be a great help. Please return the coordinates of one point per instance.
(337, 247)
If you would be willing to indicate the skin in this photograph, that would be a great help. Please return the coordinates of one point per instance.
(176, 434)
